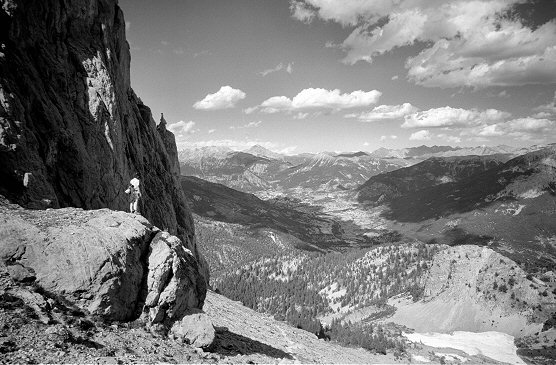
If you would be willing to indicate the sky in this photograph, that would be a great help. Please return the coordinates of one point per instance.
(346, 75)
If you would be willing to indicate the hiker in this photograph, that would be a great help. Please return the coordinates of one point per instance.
(134, 195)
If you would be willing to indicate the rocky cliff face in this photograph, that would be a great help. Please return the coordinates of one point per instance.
(72, 131)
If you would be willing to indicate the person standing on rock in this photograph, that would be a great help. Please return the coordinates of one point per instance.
(134, 195)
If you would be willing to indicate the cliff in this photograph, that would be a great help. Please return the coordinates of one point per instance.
(72, 131)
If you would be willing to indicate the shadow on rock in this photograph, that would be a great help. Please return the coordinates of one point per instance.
(231, 344)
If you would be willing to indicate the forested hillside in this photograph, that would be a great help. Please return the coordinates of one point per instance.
(307, 288)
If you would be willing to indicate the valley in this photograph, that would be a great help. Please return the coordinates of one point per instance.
(468, 241)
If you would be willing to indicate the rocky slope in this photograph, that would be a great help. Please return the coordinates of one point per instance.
(109, 264)
(271, 340)
(471, 288)
(72, 131)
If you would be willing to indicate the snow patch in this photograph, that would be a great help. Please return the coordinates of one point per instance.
(518, 210)
(510, 209)
(496, 345)
(451, 357)
(531, 194)
(420, 358)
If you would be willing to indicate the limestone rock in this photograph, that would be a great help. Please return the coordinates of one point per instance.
(195, 328)
(20, 273)
(108, 263)
(72, 131)
(174, 283)
(169, 141)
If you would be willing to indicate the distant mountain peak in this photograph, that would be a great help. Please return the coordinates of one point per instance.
(260, 151)
(353, 154)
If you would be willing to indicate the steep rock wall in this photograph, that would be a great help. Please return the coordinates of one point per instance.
(72, 131)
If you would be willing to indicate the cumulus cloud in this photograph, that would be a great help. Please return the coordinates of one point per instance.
(422, 135)
(527, 128)
(182, 128)
(225, 98)
(386, 112)
(250, 110)
(211, 131)
(467, 42)
(301, 11)
(452, 117)
(318, 98)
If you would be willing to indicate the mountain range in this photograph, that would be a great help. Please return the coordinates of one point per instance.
(424, 152)
(508, 205)
(259, 170)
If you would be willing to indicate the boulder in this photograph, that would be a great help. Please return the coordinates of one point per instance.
(108, 263)
(174, 283)
(195, 328)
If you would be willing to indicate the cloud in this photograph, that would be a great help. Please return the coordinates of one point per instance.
(331, 44)
(345, 12)
(279, 67)
(452, 117)
(395, 77)
(288, 68)
(287, 150)
(546, 110)
(384, 138)
(250, 110)
(318, 98)
(521, 128)
(473, 43)
(181, 128)
(386, 112)
(238, 145)
(402, 29)
(202, 53)
(211, 131)
(301, 115)
(422, 135)
(248, 125)
(301, 12)
(448, 138)
(225, 98)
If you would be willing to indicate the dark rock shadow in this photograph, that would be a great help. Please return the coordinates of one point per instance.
(231, 344)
